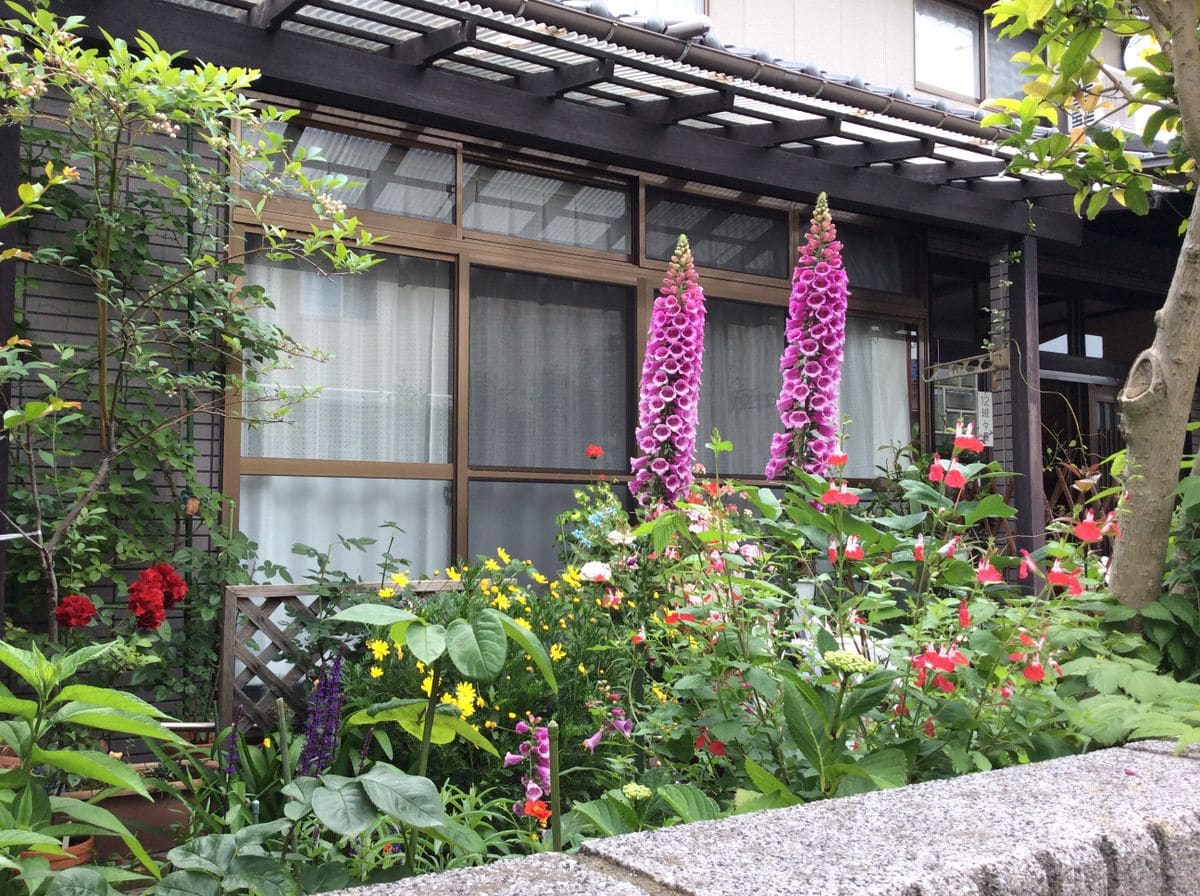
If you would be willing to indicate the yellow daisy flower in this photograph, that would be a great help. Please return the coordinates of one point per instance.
(376, 672)
(453, 574)
(524, 623)
(503, 555)
(491, 565)
(400, 580)
(385, 593)
(379, 650)
(557, 652)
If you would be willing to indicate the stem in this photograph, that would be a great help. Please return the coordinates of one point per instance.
(427, 732)
(555, 790)
(285, 740)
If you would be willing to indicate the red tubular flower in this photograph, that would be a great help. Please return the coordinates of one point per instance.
(965, 438)
(955, 478)
(74, 611)
(1027, 566)
(854, 549)
(986, 573)
(1110, 526)
(942, 683)
(919, 549)
(964, 614)
(838, 459)
(1034, 671)
(1060, 578)
(839, 495)
(1087, 530)
(833, 551)
(947, 550)
(928, 727)
(936, 472)
(594, 452)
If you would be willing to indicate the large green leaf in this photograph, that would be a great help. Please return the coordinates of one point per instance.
(477, 648)
(90, 716)
(409, 799)
(9, 837)
(188, 883)
(990, 506)
(689, 802)
(410, 715)
(881, 770)
(260, 875)
(374, 614)
(80, 882)
(427, 642)
(15, 706)
(211, 854)
(342, 805)
(99, 817)
(20, 661)
(322, 878)
(109, 698)
(70, 663)
(92, 764)
(528, 642)
(609, 816)
(769, 784)
(808, 727)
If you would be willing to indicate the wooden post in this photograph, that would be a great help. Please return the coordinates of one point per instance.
(1026, 376)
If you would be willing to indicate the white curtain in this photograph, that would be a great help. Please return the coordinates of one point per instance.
(385, 392)
(874, 393)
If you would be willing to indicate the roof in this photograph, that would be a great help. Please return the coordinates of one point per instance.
(684, 103)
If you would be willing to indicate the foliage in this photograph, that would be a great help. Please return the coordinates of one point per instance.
(1172, 623)
(155, 154)
(38, 731)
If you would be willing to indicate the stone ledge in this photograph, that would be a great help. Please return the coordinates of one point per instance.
(1120, 822)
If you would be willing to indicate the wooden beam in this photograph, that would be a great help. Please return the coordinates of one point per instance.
(776, 132)
(270, 14)
(1025, 379)
(308, 69)
(676, 108)
(871, 153)
(1017, 189)
(558, 81)
(434, 44)
(950, 170)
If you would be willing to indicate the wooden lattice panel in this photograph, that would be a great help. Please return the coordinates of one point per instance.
(255, 668)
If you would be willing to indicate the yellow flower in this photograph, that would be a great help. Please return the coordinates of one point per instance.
(376, 672)
(399, 579)
(512, 715)
(500, 602)
(399, 651)
(453, 574)
(385, 593)
(480, 702)
(466, 698)
(427, 684)
(557, 652)
(379, 650)
(490, 725)
(420, 667)
(267, 742)
(582, 669)
(503, 555)
(659, 693)
(524, 623)
(571, 577)
(491, 565)
(539, 578)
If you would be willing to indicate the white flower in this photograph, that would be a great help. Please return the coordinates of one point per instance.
(616, 536)
(596, 571)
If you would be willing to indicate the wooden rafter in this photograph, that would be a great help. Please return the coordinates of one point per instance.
(775, 133)
(556, 82)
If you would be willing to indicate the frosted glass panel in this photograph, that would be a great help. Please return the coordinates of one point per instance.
(385, 392)
(877, 260)
(875, 393)
(721, 236)
(740, 386)
(516, 203)
(948, 47)
(550, 371)
(519, 517)
(280, 511)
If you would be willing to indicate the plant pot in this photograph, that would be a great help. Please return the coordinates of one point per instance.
(154, 822)
(78, 853)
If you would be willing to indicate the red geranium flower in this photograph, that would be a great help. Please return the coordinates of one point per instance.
(595, 452)
(74, 611)
(537, 809)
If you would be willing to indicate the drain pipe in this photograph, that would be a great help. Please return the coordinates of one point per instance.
(578, 16)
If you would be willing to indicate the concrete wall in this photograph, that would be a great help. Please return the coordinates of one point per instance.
(1120, 822)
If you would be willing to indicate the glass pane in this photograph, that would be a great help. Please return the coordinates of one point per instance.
(1053, 326)
(277, 512)
(876, 259)
(1004, 75)
(948, 47)
(663, 9)
(385, 392)
(516, 203)
(383, 177)
(740, 386)
(519, 517)
(722, 236)
(876, 395)
(550, 371)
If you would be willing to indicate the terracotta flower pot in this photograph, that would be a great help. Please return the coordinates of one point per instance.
(78, 853)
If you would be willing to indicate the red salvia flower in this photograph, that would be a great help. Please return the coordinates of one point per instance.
(1087, 530)
(986, 573)
(919, 549)
(964, 614)
(955, 478)
(936, 472)
(965, 438)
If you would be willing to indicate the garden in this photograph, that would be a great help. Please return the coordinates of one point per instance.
(705, 648)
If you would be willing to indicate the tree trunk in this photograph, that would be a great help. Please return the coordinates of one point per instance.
(1155, 404)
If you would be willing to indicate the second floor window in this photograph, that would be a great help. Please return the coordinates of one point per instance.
(948, 49)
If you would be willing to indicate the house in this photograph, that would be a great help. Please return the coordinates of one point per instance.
(529, 164)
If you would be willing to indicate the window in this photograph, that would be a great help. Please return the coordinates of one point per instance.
(955, 50)
(662, 9)
(878, 260)
(520, 517)
(533, 207)
(878, 393)
(550, 371)
(728, 237)
(740, 384)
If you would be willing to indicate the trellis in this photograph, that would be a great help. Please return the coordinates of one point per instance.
(260, 623)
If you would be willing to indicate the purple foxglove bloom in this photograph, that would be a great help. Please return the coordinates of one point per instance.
(511, 759)
(670, 390)
(592, 742)
(808, 399)
(522, 727)
(533, 791)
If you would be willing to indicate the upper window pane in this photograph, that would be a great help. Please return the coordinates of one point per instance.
(722, 236)
(877, 260)
(517, 203)
(385, 392)
(382, 176)
(550, 371)
(740, 385)
(663, 9)
(878, 393)
(1004, 76)
(947, 47)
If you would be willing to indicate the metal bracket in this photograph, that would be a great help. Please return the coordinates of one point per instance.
(997, 359)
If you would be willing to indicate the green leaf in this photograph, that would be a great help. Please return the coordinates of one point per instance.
(88, 716)
(211, 855)
(528, 642)
(885, 769)
(989, 507)
(689, 802)
(70, 663)
(427, 642)
(10, 837)
(322, 878)
(109, 698)
(260, 875)
(188, 883)
(374, 614)
(99, 817)
(409, 799)
(15, 706)
(342, 805)
(80, 882)
(767, 782)
(808, 727)
(477, 648)
(609, 816)
(20, 661)
(1157, 611)
(92, 764)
